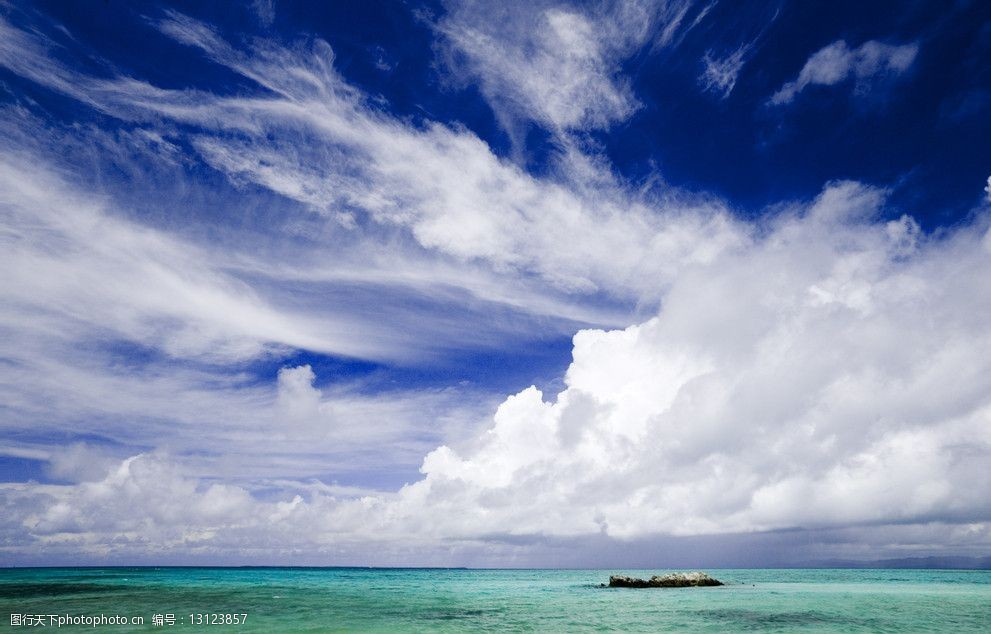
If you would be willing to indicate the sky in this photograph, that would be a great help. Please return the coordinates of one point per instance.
(633, 283)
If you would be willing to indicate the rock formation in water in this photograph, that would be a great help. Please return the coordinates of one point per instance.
(674, 580)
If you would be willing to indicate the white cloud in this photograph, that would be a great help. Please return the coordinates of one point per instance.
(297, 396)
(79, 462)
(265, 11)
(837, 62)
(146, 286)
(833, 374)
(555, 64)
(720, 75)
(142, 498)
(443, 185)
(987, 188)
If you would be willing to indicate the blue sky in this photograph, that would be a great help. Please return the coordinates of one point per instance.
(458, 283)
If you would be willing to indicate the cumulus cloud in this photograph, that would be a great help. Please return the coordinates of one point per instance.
(833, 374)
(838, 62)
(147, 507)
(143, 498)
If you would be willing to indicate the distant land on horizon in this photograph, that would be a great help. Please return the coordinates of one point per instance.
(931, 562)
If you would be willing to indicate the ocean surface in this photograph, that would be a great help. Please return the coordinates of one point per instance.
(452, 600)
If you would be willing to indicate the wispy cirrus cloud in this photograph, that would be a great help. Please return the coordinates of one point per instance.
(558, 65)
(513, 60)
(493, 212)
(721, 70)
(719, 75)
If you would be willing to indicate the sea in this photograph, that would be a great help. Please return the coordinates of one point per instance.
(469, 600)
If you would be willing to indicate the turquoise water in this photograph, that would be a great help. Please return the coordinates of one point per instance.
(405, 600)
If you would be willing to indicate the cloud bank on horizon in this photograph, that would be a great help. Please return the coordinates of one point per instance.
(249, 375)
